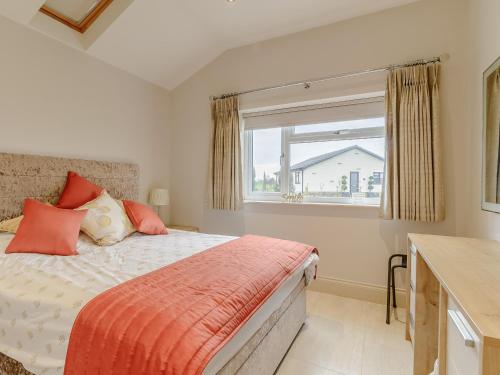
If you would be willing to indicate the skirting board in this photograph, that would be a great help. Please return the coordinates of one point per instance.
(356, 290)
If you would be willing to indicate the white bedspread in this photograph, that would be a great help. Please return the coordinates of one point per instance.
(41, 295)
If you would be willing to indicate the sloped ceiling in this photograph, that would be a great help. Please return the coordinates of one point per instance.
(166, 41)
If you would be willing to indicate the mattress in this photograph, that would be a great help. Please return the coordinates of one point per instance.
(40, 296)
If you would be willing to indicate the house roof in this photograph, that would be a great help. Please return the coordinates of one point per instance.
(318, 159)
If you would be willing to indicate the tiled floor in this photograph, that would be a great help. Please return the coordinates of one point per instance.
(347, 337)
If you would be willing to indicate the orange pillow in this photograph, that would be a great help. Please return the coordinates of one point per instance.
(77, 192)
(145, 220)
(47, 230)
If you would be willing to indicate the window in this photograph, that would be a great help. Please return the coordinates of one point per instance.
(378, 178)
(77, 14)
(336, 161)
(297, 177)
(266, 160)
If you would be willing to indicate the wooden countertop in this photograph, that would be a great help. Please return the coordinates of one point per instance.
(469, 270)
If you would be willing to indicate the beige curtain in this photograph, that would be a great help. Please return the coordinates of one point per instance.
(492, 138)
(413, 186)
(225, 172)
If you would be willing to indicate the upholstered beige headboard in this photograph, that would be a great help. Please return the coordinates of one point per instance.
(43, 178)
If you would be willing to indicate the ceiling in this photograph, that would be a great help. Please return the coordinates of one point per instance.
(167, 41)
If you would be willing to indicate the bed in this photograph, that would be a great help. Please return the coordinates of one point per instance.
(41, 296)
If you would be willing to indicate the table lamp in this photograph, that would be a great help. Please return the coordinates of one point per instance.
(159, 197)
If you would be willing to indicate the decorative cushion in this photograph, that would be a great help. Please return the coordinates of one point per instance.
(47, 230)
(11, 225)
(145, 220)
(78, 191)
(106, 221)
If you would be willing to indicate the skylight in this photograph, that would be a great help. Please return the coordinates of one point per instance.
(77, 14)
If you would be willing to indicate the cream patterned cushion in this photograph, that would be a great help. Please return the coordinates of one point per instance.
(11, 225)
(106, 221)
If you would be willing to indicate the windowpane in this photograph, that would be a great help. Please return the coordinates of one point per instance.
(343, 170)
(76, 10)
(378, 178)
(341, 161)
(266, 160)
(341, 125)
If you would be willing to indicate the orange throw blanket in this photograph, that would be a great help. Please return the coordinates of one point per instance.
(175, 319)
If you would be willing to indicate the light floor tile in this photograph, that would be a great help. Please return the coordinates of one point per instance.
(292, 366)
(344, 336)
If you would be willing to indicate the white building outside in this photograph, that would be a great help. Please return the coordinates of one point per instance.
(360, 169)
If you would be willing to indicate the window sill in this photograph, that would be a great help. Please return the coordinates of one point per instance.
(310, 204)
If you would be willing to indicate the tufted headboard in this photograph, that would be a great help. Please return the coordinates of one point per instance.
(43, 178)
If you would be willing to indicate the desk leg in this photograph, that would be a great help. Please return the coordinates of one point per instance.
(408, 291)
(426, 319)
(491, 359)
(443, 327)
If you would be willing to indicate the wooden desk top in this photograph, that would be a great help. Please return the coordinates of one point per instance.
(469, 270)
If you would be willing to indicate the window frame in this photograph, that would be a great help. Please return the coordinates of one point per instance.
(84, 24)
(289, 137)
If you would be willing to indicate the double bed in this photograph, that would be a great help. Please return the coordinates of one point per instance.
(41, 296)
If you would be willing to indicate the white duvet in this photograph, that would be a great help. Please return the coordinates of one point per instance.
(41, 295)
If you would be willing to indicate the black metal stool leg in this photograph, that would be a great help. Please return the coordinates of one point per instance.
(391, 284)
(393, 288)
(388, 311)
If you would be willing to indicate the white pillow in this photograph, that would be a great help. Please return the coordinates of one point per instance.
(106, 221)
(5, 239)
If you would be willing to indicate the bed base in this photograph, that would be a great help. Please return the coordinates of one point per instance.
(9, 366)
(262, 354)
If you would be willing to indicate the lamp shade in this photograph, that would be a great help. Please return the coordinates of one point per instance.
(159, 197)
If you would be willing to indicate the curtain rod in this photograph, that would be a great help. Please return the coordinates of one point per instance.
(307, 83)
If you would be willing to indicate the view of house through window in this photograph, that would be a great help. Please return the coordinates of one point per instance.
(340, 162)
(348, 170)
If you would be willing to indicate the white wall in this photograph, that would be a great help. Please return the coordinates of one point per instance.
(55, 100)
(485, 42)
(354, 243)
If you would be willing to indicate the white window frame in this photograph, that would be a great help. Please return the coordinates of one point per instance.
(289, 137)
